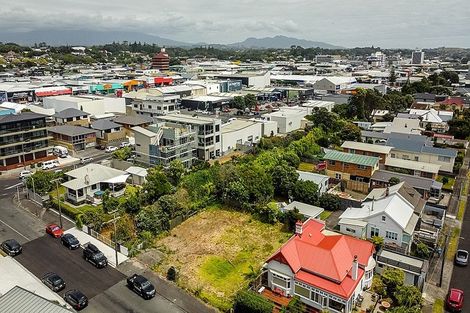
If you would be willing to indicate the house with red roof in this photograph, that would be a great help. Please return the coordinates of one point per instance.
(326, 270)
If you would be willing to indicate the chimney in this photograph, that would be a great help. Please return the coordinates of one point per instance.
(355, 268)
(298, 228)
(387, 192)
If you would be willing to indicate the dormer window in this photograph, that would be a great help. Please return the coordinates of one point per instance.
(383, 218)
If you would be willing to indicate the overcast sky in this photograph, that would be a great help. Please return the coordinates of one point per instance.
(349, 23)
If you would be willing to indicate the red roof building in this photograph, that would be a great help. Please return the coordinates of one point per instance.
(325, 269)
(453, 103)
(161, 60)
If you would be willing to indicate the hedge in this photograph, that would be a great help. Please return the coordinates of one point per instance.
(247, 301)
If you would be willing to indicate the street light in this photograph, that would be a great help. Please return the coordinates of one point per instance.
(115, 235)
(58, 199)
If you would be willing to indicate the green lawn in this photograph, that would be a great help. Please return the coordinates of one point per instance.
(306, 167)
(450, 183)
(217, 252)
(438, 306)
(453, 243)
(325, 214)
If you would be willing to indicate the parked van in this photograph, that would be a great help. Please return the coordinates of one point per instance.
(60, 151)
(49, 164)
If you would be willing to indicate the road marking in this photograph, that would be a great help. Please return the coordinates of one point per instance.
(13, 186)
(15, 230)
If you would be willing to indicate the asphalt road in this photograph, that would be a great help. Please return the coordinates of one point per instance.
(461, 274)
(46, 254)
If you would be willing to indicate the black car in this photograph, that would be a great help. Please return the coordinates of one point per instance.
(93, 255)
(53, 281)
(76, 299)
(11, 247)
(70, 241)
(141, 286)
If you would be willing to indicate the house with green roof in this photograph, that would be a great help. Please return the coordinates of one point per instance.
(353, 169)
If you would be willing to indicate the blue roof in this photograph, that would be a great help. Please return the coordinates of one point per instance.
(418, 144)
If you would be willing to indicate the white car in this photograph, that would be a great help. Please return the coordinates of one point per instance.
(49, 164)
(110, 149)
(86, 160)
(124, 144)
(25, 174)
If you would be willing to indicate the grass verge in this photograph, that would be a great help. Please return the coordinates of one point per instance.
(306, 167)
(325, 215)
(438, 306)
(453, 243)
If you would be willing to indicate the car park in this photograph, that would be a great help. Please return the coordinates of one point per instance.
(25, 174)
(92, 254)
(54, 230)
(70, 241)
(86, 160)
(454, 300)
(53, 281)
(461, 257)
(110, 149)
(76, 299)
(141, 285)
(11, 247)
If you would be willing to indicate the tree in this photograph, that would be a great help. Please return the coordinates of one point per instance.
(393, 181)
(392, 278)
(291, 217)
(41, 182)
(175, 171)
(131, 200)
(329, 202)
(156, 185)
(238, 102)
(250, 101)
(393, 76)
(377, 241)
(125, 229)
(350, 132)
(152, 219)
(123, 153)
(291, 158)
(305, 191)
(378, 286)
(445, 180)
(94, 219)
(247, 301)
(284, 178)
(422, 251)
(110, 203)
(408, 296)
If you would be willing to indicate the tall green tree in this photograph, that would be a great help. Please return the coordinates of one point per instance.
(157, 185)
(175, 172)
(284, 178)
(305, 191)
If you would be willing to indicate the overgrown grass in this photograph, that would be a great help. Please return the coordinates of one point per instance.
(450, 183)
(453, 243)
(306, 167)
(438, 306)
(218, 252)
(325, 215)
(463, 201)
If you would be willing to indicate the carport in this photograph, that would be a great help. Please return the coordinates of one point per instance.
(109, 252)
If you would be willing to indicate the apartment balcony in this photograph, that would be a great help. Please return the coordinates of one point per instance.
(21, 130)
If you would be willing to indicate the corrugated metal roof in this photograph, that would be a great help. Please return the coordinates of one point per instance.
(351, 158)
(21, 300)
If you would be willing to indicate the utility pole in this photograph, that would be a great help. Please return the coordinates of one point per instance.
(58, 200)
(443, 260)
(115, 218)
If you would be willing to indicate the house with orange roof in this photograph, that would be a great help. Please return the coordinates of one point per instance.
(326, 270)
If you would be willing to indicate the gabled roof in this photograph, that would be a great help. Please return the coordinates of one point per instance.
(91, 174)
(414, 181)
(25, 116)
(366, 147)
(350, 158)
(413, 165)
(70, 112)
(395, 206)
(325, 261)
(405, 190)
(71, 130)
(21, 300)
(314, 177)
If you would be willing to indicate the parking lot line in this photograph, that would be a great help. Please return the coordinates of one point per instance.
(25, 237)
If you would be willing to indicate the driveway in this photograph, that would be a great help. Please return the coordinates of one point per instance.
(46, 254)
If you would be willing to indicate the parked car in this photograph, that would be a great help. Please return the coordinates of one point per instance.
(124, 144)
(461, 257)
(76, 299)
(69, 241)
(53, 281)
(25, 174)
(47, 165)
(110, 149)
(54, 230)
(92, 254)
(454, 300)
(141, 286)
(86, 160)
(11, 247)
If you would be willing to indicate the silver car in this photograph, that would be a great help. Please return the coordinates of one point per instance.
(461, 257)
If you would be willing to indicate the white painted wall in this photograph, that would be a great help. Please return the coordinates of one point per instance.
(230, 139)
(426, 158)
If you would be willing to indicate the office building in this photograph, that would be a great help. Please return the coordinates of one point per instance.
(417, 57)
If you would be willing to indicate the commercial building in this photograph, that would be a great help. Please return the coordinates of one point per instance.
(153, 102)
(206, 103)
(248, 79)
(240, 132)
(164, 142)
(208, 133)
(24, 140)
(94, 105)
(287, 119)
(161, 60)
(417, 57)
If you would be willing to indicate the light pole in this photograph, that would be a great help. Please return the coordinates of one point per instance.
(58, 200)
(115, 235)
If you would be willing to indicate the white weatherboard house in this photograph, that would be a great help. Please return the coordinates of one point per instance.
(391, 217)
(320, 180)
(90, 181)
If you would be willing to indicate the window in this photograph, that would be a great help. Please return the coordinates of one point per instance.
(338, 306)
(332, 162)
(374, 231)
(217, 138)
(391, 235)
(416, 158)
(443, 159)
(93, 187)
(392, 155)
(315, 297)
(352, 151)
(350, 230)
(338, 176)
(301, 291)
(217, 128)
(384, 218)
(281, 281)
(361, 167)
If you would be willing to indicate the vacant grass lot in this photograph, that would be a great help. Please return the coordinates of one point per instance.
(217, 251)
(306, 167)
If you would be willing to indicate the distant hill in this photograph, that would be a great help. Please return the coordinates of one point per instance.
(84, 38)
(281, 42)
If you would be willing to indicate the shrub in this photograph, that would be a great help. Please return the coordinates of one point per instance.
(247, 301)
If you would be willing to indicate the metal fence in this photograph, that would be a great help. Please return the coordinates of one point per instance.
(105, 240)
